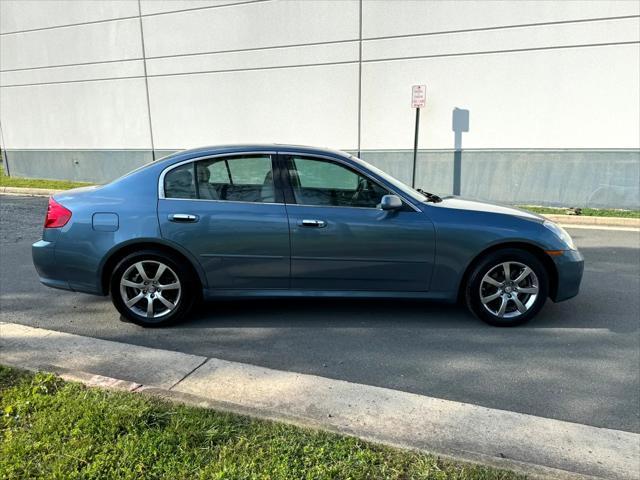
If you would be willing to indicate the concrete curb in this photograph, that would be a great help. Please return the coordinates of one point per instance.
(595, 221)
(31, 192)
(539, 447)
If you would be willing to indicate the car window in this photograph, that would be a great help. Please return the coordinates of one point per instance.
(246, 178)
(218, 172)
(323, 182)
(178, 183)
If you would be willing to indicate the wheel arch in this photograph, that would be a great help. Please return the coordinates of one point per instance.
(546, 261)
(122, 250)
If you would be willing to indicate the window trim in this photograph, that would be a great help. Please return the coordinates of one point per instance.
(289, 194)
(272, 155)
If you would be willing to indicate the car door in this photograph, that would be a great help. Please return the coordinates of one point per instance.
(342, 240)
(228, 212)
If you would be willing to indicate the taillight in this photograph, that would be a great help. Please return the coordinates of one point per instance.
(57, 215)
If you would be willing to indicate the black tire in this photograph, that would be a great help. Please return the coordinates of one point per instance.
(492, 264)
(183, 300)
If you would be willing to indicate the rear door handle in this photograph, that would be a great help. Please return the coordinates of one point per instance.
(312, 223)
(183, 218)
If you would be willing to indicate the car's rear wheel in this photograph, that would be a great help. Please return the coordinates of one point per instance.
(152, 289)
(507, 288)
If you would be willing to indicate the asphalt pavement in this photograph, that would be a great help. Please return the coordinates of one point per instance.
(578, 361)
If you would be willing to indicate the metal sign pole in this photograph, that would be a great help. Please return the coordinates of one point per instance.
(415, 148)
(418, 100)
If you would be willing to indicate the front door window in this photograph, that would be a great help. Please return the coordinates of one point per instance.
(325, 183)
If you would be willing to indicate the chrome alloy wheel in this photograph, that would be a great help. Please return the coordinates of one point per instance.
(509, 289)
(150, 288)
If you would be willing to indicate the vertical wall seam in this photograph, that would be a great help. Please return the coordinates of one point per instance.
(146, 83)
(359, 76)
(3, 148)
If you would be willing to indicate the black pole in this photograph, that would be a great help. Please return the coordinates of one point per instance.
(415, 149)
(457, 163)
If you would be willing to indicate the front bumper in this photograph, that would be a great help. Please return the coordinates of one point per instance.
(43, 253)
(570, 266)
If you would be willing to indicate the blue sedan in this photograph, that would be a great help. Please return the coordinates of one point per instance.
(290, 221)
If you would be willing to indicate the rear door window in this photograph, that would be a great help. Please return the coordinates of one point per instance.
(247, 178)
(178, 183)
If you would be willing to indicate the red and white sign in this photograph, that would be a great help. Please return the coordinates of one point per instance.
(418, 96)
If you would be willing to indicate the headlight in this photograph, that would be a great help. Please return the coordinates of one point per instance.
(561, 233)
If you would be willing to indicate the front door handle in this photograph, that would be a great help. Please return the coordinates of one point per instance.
(312, 223)
(183, 218)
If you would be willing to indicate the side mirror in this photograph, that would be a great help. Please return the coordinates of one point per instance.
(390, 202)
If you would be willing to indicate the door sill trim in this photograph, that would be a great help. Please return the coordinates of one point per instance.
(291, 293)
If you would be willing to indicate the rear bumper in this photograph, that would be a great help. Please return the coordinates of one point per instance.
(570, 267)
(43, 253)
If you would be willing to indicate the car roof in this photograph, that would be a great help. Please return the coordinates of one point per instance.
(250, 147)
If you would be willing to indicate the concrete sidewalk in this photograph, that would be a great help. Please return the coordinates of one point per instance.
(534, 445)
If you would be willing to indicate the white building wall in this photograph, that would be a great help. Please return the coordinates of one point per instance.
(523, 87)
(387, 18)
(58, 87)
(82, 115)
(535, 75)
(21, 15)
(583, 98)
(257, 72)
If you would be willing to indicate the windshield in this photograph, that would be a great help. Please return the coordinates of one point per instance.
(403, 187)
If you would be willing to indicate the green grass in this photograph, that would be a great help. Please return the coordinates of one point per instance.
(6, 181)
(55, 429)
(587, 212)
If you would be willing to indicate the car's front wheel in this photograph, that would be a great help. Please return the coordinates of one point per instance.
(151, 289)
(507, 288)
